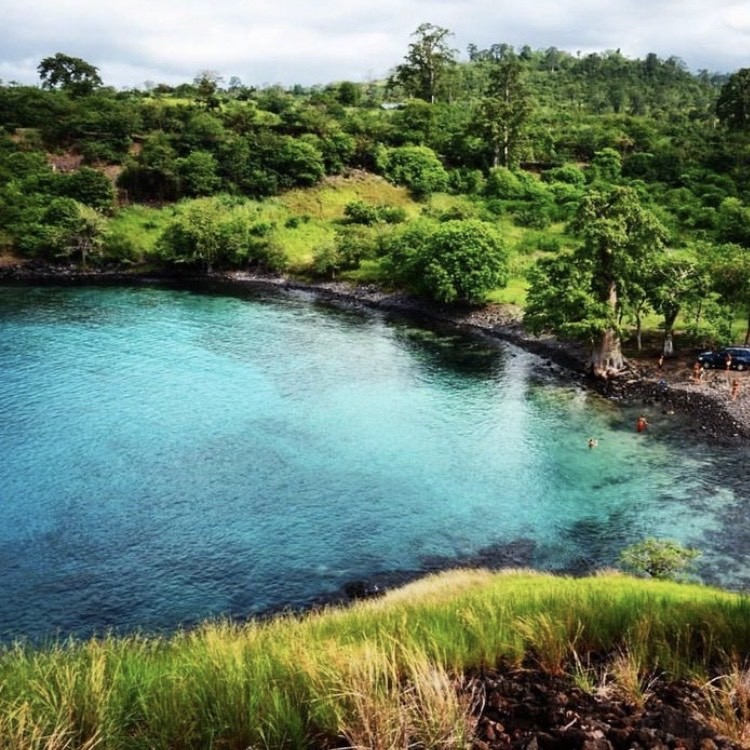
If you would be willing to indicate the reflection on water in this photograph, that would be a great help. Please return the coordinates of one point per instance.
(170, 456)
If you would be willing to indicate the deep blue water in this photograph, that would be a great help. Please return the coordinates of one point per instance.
(169, 456)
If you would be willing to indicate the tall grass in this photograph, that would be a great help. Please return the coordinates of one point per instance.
(381, 674)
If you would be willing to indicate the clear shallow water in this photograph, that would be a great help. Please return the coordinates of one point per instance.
(170, 456)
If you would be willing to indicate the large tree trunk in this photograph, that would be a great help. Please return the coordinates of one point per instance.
(667, 344)
(606, 355)
(667, 347)
(638, 329)
(496, 155)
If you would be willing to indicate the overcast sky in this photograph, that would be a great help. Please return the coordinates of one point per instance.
(323, 41)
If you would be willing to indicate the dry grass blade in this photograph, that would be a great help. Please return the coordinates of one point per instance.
(629, 680)
(728, 700)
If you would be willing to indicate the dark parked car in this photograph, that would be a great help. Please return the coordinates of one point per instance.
(740, 358)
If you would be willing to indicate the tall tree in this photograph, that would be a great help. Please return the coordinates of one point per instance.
(72, 74)
(730, 273)
(504, 110)
(733, 104)
(585, 296)
(426, 63)
(207, 84)
(673, 282)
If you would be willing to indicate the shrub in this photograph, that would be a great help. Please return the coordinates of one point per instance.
(120, 247)
(658, 558)
(568, 174)
(359, 212)
(502, 183)
(90, 187)
(462, 261)
(464, 181)
(416, 168)
(392, 214)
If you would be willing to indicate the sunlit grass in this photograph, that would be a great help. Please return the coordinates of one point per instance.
(328, 200)
(142, 225)
(514, 293)
(376, 674)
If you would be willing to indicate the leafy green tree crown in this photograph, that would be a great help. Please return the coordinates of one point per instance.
(733, 104)
(71, 74)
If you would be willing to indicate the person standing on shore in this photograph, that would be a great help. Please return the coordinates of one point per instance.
(735, 389)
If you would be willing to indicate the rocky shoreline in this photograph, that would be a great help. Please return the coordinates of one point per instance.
(528, 709)
(667, 390)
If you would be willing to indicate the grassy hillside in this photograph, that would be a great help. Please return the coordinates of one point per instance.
(379, 671)
(302, 220)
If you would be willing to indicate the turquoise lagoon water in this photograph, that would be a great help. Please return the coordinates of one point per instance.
(172, 455)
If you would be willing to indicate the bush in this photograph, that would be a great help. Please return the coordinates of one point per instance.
(90, 187)
(504, 184)
(359, 212)
(198, 174)
(326, 260)
(567, 174)
(536, 215)
(464, 181)
(658, 558)
(392, 214)
(457, 261)
(121, 248)
(297, 163)
(416, 168)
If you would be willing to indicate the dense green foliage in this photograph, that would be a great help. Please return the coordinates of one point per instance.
(523, 142)
(460, 260)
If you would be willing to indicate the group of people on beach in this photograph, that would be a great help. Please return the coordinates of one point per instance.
(698, 374)
(734, 384)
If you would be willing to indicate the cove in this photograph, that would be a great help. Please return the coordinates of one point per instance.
(174, 455)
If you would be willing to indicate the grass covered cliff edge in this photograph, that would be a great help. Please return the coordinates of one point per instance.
(399, 671)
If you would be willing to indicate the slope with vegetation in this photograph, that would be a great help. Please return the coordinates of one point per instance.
(608, 193)
(413, 669)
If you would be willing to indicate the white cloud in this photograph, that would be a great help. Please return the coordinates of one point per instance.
(298, 41)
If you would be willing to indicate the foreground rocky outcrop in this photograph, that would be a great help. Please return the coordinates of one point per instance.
(526, 709)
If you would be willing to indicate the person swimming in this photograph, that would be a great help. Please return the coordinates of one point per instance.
(593, 442)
